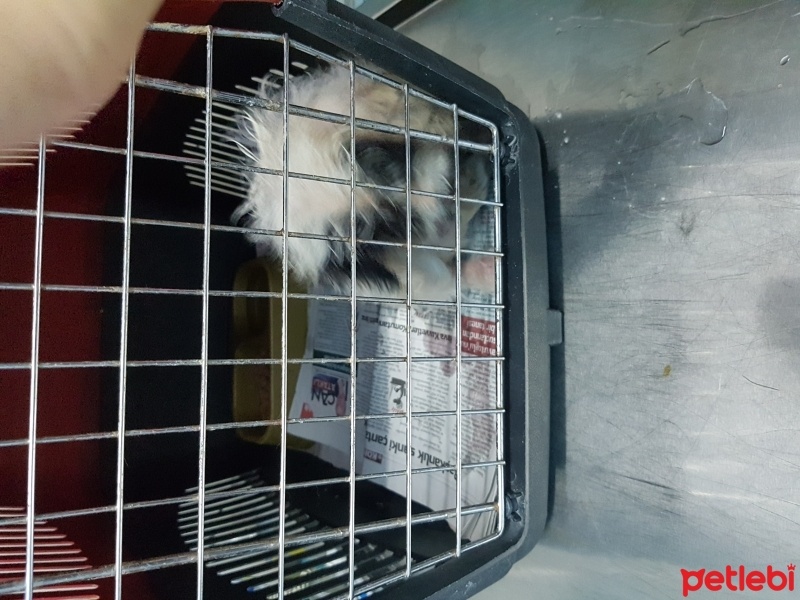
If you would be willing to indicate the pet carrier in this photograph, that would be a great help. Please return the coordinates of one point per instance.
(199, 411)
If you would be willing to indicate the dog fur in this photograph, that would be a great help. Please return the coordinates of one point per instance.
(321, 208)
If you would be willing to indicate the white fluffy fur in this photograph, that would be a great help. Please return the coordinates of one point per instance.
(321, 148)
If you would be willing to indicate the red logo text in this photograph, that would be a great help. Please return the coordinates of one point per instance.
(738, 580)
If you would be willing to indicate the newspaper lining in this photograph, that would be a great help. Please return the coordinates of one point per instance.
(383, 388)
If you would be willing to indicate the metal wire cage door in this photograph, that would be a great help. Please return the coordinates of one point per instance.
(187, 412)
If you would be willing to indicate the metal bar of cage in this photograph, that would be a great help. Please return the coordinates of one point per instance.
(284, 321)
(192, 362)
(185, 89)
(30, 508)
(198, 163)
(409, 381)
(351, 557)
(123, 358)
(84, 437)
(234, 229)
(105, 289)
(203, 430)
(500, 336)
(459, 344)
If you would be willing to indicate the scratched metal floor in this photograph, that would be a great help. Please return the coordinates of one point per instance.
(676, 259)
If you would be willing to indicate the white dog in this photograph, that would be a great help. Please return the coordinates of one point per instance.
(322, 208)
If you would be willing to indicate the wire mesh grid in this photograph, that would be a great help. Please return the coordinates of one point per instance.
(304, 556)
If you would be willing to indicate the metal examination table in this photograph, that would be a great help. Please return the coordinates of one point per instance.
(672, 135)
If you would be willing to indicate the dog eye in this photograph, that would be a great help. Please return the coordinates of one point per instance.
(383, 162)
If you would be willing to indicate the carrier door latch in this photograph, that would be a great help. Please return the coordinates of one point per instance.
(555, 327)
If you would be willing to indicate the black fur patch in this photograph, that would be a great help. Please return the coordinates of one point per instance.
(382, 161)
(391, 222)
(370, 266)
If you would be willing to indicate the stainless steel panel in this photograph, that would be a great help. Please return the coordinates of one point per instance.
(671, 135)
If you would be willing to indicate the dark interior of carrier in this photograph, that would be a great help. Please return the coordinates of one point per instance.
(163, 327)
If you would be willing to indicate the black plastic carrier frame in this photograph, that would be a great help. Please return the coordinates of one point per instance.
(529, 328)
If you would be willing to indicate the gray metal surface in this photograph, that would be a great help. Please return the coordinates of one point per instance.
(671, 134)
